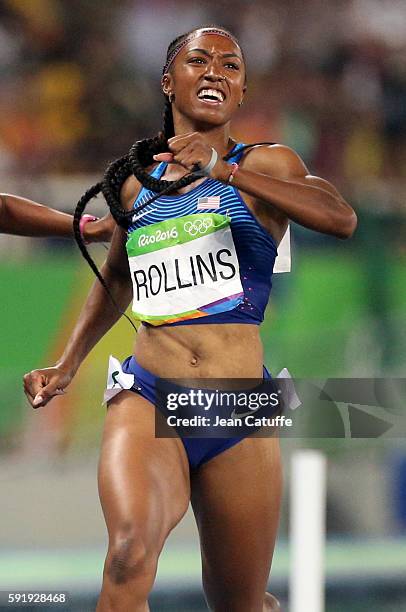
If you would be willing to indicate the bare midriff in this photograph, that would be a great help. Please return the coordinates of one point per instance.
(201, 351)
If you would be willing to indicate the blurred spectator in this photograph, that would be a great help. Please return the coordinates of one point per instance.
(80, 83)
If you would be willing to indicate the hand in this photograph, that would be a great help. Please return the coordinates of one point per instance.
(190, 150)
(40, 386)
(101, 230)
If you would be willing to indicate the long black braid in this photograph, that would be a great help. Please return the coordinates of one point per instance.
(135, 163)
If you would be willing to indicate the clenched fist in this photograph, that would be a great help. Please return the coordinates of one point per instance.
(191, 151)
(40, 386)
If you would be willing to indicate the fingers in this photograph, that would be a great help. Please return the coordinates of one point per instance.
(189, 141)
(191, 158)
(46, 394)
(188, 150)
(33, 383)
(190, 162)
(193, 155)
(183, 158)
(163, 157)
(101, 230)
(40, 389)
(177, 143)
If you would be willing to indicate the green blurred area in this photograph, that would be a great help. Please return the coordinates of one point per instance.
(333, 321)
(35, 301)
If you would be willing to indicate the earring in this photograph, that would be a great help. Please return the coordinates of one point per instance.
(171, 97)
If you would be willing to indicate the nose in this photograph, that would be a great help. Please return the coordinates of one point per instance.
(213, 77)
(213, 73)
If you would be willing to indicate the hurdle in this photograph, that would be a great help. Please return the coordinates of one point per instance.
(307, 531)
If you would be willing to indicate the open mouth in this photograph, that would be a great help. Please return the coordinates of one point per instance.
(212, 96)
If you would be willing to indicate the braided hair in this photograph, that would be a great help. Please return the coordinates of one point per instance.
(135, 163)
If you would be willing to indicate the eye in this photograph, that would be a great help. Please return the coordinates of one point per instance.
(232, 65)
(196, 60)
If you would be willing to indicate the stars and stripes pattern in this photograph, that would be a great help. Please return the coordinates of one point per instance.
(210, 202)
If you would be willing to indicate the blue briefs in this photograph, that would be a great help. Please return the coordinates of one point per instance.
(198, 449)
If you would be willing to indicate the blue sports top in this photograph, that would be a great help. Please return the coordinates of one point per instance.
(256, 249)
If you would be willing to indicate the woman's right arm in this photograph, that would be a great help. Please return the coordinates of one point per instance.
(22, 217)
(98, 315)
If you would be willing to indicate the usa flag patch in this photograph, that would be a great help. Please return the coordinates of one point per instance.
(209, 202)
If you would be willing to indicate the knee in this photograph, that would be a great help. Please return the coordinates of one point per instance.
(130, 558)
(129, 573)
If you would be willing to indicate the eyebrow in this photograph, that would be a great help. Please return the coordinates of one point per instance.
(209, 54)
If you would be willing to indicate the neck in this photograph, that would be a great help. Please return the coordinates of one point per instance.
(216, 136)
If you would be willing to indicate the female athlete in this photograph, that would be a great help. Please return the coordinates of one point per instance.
(200, 320)
(22, 217)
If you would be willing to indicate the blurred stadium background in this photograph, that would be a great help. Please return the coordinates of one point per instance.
(79, 82)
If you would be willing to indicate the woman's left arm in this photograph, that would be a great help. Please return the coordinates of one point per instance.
(277, 175)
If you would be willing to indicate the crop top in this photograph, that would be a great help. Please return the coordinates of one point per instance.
(246, 297)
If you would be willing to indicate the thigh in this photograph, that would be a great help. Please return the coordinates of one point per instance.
(236, 500)
(143, 480)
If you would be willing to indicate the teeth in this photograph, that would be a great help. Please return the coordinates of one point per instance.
(212, 93)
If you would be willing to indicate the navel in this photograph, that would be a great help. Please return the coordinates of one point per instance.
(194, 361)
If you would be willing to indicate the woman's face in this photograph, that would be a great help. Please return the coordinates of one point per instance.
(208, 79)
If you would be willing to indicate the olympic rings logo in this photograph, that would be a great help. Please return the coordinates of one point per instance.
(200, 226)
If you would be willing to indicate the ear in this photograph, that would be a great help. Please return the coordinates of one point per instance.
(244, 89)
(167, 83)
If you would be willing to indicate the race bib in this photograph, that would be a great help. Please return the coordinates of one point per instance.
(184, 268)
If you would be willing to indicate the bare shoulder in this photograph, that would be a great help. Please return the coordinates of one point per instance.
(130, 190)
(283, 162)
(277, 160)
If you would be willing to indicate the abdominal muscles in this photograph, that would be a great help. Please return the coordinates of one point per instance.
(201, 351)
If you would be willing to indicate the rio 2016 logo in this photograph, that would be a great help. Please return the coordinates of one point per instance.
(200, 226)
(157, 236)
